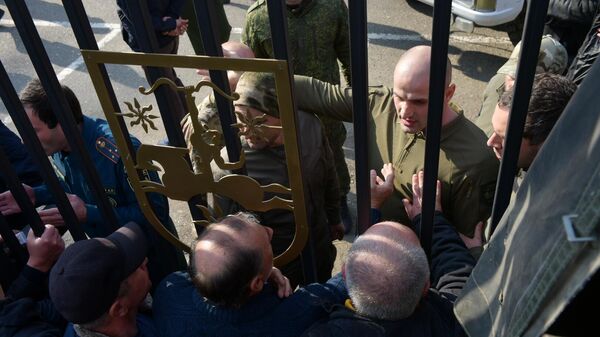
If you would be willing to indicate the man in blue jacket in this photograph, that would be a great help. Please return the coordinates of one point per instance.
(233, 290)
(100, 144)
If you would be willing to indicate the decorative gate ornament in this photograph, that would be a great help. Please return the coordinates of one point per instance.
(178, 179)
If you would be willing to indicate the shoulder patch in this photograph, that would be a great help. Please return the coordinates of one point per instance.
(256, 5)
(108, 149)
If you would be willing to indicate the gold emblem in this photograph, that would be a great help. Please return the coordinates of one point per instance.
(178, 179)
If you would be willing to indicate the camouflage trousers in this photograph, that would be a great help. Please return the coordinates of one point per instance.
(336, 135)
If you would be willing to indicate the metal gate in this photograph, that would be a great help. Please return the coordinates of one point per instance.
(167, 101)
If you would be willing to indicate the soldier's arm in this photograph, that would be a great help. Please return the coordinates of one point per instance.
(323, 98)
(342, 43)
(251, 35)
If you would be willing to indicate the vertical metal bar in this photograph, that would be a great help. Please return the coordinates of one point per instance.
(281, 51)
(12, 242)
(86, 40)
(360, 87)
(206, 14)
(166, 98)
(437, 86)
(18, 192)
(15, 109)
(532, 36)
(58, 102)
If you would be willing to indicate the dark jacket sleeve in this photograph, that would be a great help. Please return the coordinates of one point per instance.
(158, 10)
(30, 283)
(573, 10)
(451, 262)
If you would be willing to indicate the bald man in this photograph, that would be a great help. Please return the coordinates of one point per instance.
(392, 290)
(397, 133)
(233, 290)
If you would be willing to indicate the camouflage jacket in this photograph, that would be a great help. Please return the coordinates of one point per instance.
(318, 37)
(467, 167)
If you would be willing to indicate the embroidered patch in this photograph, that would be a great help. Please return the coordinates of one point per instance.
(108, 149)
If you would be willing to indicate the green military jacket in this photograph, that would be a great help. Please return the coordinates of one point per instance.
(467, 167)
(318, 37)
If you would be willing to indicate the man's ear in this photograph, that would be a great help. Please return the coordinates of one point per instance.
(450, 92)
(256, 285)
(118, 308)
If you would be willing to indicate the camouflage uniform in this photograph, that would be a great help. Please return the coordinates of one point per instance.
(269, 165)
(467, 167)
(318, 38)
(552, 59)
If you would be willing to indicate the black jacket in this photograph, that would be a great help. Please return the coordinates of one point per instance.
(580, 11)
(27, 311)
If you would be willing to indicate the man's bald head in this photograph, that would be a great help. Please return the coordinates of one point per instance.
(231, 49)
(227, 257)
(386, 272)
(236, 49)
(416, 62)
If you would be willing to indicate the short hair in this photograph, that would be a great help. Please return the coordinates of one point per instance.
(386, 280)
(34, 95)
(549, 97)
(230, 287)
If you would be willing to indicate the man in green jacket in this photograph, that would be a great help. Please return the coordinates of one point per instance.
(398, 119)
(318, 38)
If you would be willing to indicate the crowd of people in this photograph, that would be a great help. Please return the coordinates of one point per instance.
(133, 282)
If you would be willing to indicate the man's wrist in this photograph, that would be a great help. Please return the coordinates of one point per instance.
(39, 264)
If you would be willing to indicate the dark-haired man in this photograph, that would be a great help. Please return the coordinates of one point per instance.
(549, 97)
(233, 290)
(100, 144)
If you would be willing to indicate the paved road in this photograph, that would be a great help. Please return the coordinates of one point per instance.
(393, 27)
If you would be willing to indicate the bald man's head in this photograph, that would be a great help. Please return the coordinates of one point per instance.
(231, 49)
(236, 49)
(228, 257)
(417, 62)
(411, 90)
(386, 272)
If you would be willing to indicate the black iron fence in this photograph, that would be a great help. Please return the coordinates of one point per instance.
(168, 101)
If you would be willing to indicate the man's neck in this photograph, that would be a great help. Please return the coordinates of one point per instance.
(448, 115)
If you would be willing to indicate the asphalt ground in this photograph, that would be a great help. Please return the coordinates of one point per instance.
(393, 27)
